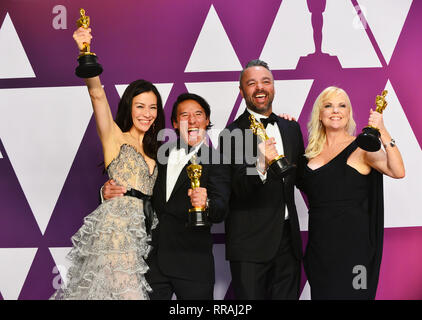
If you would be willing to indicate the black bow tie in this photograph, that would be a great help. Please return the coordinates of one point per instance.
(271, 119)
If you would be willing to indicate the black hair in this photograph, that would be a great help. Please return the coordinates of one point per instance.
(124, 115)
(191, 96)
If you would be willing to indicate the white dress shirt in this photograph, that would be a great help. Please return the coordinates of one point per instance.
(176, 162)
(272, 131)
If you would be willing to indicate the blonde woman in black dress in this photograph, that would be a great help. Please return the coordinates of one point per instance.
(343, 184)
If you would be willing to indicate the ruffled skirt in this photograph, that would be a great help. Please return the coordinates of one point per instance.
(108, 254)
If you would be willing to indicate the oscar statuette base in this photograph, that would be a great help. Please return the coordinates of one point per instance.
(369, 139)
(281, 167)
(88, 66)
(197, 217)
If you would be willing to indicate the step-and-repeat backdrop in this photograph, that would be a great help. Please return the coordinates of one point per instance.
(50, 154)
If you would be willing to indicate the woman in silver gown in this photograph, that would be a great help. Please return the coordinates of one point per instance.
(109, 249)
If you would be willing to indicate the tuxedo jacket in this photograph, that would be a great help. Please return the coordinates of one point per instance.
(254, 225)
(183, 252)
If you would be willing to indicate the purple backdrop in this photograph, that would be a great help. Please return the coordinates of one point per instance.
(154, 40)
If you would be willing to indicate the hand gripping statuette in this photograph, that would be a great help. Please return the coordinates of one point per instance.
(280, 166)
(88, 65)
(197, 216)
(369, 139)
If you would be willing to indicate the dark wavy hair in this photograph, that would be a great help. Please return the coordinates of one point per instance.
(124, 115)
(191, 96)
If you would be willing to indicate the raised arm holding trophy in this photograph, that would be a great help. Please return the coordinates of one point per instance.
(88, 65)
(369, 139)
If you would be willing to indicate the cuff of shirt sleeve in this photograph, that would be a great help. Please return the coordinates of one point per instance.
(262, 174)
(101, 194)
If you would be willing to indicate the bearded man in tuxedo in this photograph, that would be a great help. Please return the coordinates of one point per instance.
(263, 242)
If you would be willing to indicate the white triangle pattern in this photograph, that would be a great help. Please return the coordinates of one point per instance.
(222, 272)
(241, 109)
(163, 88)
(346, 39)
(386, 19)
(13, 61)
(291, 96)
(283, 49)
(14, 268)
(62, 264)
(213, 50)
(401, 197)
(306, 292)
(302, 211)
(42, 145)
(221, 96)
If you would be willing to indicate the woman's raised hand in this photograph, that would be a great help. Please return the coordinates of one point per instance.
(376, 120)
(82, 36)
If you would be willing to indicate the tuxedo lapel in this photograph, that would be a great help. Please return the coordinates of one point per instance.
(162, 171)
(243, 120)
(181, 180)
(244, 124)
(284, 132)
(163, 179)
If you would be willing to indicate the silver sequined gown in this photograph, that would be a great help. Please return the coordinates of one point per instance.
(109, 249)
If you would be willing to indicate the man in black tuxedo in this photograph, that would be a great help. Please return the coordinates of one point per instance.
(263, 242)
(181, 261)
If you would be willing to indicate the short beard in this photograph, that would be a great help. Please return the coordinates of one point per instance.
(252, 107)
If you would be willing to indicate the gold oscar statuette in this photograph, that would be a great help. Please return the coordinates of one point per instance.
(88, 65)
(369, 139)
(280, 166)
(197, 216)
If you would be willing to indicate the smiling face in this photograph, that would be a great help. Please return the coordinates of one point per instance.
(191, 122)
(257, 88)
(335, 112)
(144, 110)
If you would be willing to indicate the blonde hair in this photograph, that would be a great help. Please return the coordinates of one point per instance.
(316, 129)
